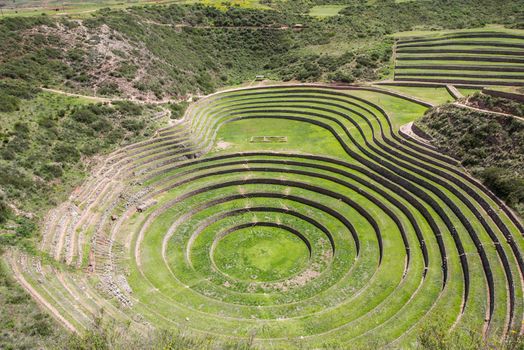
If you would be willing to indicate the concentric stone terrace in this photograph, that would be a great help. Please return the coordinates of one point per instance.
(471, 57)
(342, 231)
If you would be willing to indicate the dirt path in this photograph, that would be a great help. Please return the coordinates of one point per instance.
(95, 98)
(185, 25)
(112, 99)
(488, 111)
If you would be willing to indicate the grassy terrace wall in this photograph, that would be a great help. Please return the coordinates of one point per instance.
(346, 234)
(483, 58)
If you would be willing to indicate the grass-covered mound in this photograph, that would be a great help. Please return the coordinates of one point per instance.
(345, 234)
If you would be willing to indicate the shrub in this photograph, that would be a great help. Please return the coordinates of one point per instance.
(13, 176)
(8, 103)
(63, 152)
(506, 186)
(129, 108)
(178, 109)
(133, 124)
(51, 170)
(8, 153)
(84, 115)
(25, 228)
(491, 146)
(24, 326)
(126, 70)
(102, 125)
(109, 89)
(4, 208)
(343, 76)
(18, 88)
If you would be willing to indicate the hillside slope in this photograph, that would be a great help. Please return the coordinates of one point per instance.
(490, 146)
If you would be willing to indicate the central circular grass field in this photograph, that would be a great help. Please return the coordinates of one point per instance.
(261, 254)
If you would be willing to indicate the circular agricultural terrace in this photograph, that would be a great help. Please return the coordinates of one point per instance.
(291, 214)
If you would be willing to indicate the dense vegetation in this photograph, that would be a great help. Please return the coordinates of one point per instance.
(389, 16)
(46, 143)
(490, 146)
(495, 104)
(159, 51)
(22, 323)
(109, 337)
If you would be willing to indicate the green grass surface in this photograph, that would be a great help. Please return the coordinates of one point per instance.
(513, 89)
(467, 92)
(456, 45)
(70, 7)
(261, 254)
(466, 80)
(443, 33)
(323, 11)
(466, 63)
(438, 95)
(300, 138)
(493, 74)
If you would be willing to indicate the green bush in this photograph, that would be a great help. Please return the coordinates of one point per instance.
(18, 88)
(506, 186)
(109, 89)
(51, 171)
(129, 108)
(23, 325)
(4, 208)
(41, 154)
(8, 103)
(133, 124)
(64, 152)
(178, 109)
(84, 115)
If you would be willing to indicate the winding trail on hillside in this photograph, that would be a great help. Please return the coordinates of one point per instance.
(462, 105)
